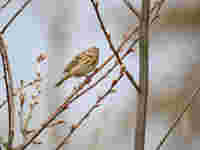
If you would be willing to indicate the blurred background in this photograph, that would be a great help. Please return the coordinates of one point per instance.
(64, 28)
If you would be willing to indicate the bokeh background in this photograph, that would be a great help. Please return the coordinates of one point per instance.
(64, 28)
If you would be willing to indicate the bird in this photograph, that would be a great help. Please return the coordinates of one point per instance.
(81, 64)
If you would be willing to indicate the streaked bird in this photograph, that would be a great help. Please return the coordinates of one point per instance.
(81, 65)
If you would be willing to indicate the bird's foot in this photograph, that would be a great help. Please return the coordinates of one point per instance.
(88, 79)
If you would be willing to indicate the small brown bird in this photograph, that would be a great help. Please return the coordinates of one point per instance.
(81, 65)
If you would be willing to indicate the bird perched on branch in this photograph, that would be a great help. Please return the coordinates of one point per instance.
(81, 65)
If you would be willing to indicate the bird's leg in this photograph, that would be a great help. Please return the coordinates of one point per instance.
(88, 78)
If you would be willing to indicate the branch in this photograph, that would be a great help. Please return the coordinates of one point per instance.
(13, 18)
(5, 5)
(157, 6)
(9, 90)
(144, 77)
(141, 112)
(178, 119)
(3, 103)
(108, 38)
(98, 102)
(134, 10)
(32, 82)
(155, 9)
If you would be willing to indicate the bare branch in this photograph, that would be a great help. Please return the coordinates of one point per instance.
(98, 102)
(9, 90)
(3, 103)
(134, 10)
(16, 14)
(108, 38)
(178, 119)
(144, 77)
(5, 5)
(140, 133)
(107, 35)
(31, 83)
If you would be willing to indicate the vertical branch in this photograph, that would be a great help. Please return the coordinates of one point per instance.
(9, 91)
(8, 77)
(144, 69)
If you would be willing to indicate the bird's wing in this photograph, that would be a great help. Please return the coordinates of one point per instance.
(86, 58)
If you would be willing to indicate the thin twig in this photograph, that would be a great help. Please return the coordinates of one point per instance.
(144, 77)
(108, 38)
(98, 102)
(133, 9)
(3, 103)
(32, 82)
(15, 15)
(178, 119)
(157, 6)
(28, 118)
(21, 111)
(156, 10)
(9, 90)
(25, 86)
(5, 5)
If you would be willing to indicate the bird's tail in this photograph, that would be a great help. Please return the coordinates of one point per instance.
(62, 80)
